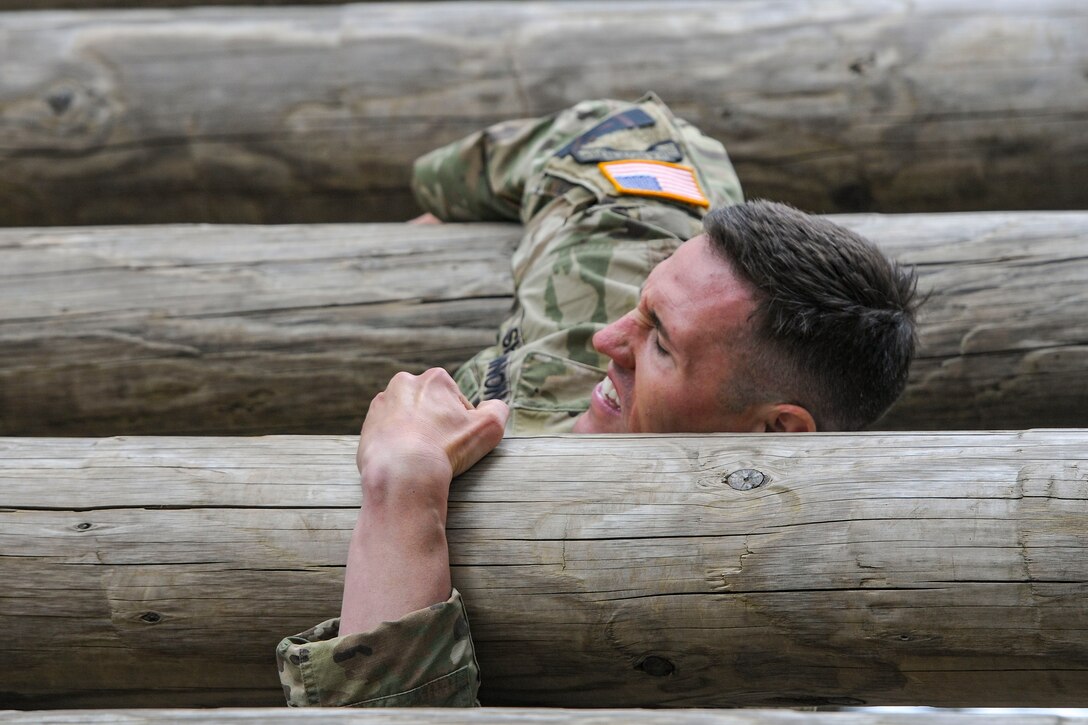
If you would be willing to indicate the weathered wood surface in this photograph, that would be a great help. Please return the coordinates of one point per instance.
(237, 329)
(315, 114)
(170, 330)
(940, 569)
(536, 716)
(98, 4)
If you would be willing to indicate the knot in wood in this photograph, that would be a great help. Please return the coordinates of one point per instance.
(151, 617)
(60, 100)
(656, 666)
(83, 526)
(745, 479)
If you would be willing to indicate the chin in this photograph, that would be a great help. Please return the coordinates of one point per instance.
(588, 423)
(583, 424)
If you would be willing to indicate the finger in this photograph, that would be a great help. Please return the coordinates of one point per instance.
(485, 434)
(497, 409)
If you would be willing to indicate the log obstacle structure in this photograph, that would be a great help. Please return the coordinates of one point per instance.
(292, 329)
(861, 569)
(626, 571)
(538, 716)
(315, 114)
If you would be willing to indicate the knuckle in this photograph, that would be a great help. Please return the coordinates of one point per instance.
(398, 382)
(492, 426)
(439, 378)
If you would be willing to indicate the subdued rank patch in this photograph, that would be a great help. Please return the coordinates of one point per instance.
(631, 118)
(646, 177)
(664, 151)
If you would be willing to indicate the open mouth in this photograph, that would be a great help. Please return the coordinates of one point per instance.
(608, 393)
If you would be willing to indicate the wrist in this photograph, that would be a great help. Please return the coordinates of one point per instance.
(388, 474)
(406, 494)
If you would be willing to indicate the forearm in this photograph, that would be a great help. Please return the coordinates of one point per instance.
(398, 562)
(403, 637)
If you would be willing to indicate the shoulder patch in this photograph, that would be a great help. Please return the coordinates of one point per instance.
(631, 118)
(646, 177)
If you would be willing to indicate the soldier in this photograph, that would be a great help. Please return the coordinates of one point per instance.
(764, 320)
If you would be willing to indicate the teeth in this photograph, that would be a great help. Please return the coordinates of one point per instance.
(608, 390)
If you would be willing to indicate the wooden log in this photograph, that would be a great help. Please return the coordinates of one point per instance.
(236, 329)
(6, 5)
(539, 716)
(280, 329)
(929, 569)
(315, 114)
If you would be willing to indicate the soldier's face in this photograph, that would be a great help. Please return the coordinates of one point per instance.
(675, 354)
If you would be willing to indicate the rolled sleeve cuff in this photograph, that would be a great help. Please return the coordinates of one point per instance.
(424, 659)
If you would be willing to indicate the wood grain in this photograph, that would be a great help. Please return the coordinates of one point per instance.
(941, 569)
(314, 114)
(536, 716)
(235, 329)
(292, 329)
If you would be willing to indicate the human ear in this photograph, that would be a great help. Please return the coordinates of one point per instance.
(788, 418)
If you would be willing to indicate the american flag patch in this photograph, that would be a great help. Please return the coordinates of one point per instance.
(655, 178)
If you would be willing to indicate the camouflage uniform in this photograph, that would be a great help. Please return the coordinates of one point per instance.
(606, 190)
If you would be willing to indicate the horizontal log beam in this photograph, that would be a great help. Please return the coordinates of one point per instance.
(315, 114)
(7, 5)
(292, 329)
(235, 329)
(938, 569)
(538, 716)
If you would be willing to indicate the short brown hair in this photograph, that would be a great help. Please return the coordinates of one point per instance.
(834, 329)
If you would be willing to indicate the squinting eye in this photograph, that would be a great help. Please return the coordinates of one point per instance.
(657, 344)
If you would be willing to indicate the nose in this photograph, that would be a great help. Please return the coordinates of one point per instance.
(615, 341)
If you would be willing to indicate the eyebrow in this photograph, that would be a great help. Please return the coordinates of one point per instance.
(653, 316)
(660, 328)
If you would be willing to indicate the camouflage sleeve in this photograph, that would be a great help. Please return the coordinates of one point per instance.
(425, 659)
(483, 176)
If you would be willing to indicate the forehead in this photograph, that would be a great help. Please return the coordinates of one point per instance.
(698, 288)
